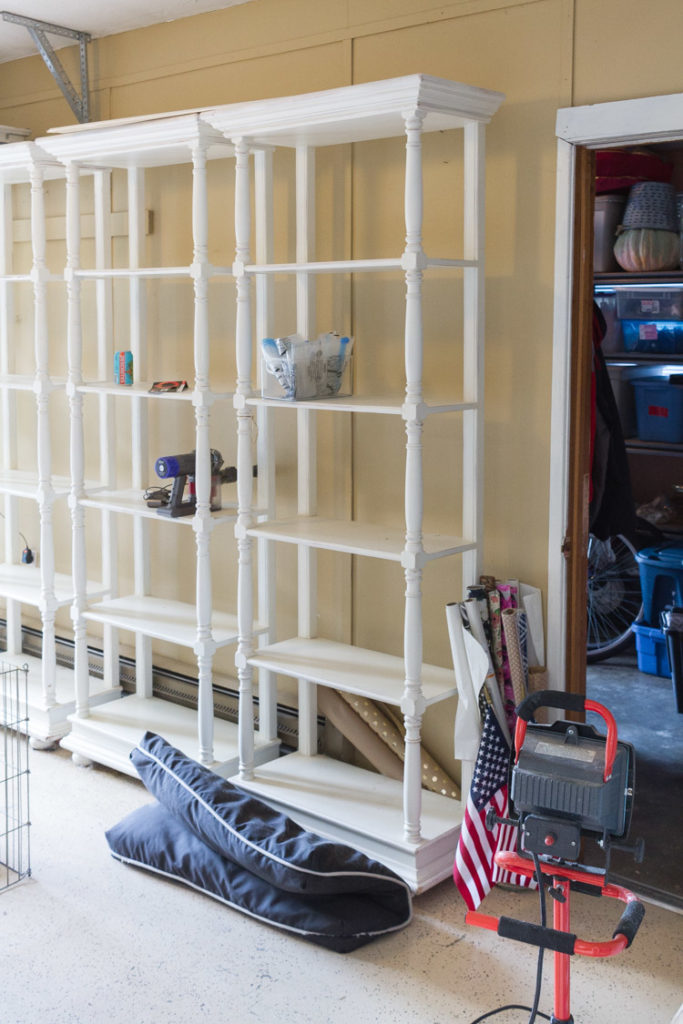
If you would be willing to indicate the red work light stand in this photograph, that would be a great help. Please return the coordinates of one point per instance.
(559, 939)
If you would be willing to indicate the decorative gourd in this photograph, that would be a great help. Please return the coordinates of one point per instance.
(640, 249)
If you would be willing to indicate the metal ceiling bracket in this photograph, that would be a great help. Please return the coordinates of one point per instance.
(37, 30)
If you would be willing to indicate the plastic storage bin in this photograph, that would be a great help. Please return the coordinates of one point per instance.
(650, 304)
(665, 336)
(606, 219)
(661, 579)
(659, 411)
(621, 379)
(651, 650)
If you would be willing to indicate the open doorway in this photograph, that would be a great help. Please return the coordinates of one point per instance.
(643, 704)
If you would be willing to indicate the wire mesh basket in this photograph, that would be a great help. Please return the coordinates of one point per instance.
(15, 849)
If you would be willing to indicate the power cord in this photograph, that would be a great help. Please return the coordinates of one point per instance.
(533, 1010)
(26, 555)
(156, 497)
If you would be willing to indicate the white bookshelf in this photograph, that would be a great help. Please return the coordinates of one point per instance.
(413, 831)
(36, 585)
(107, 735)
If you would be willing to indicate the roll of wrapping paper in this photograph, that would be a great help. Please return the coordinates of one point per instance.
(513, 628)
(388, 727)
(359, 733)
(507, 600)
(469, 712)
(538, 680)
(493, 600)
(472, 609)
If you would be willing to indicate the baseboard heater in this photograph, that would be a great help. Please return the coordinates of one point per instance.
(175, 687)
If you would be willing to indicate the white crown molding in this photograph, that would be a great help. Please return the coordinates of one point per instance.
(623, 122)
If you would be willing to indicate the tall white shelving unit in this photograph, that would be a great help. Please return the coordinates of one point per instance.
(411, 830)
(107, 734)
(51, 697)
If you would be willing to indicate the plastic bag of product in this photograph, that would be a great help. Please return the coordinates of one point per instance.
(306, 369)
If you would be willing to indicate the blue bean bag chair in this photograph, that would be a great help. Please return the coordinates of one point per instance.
(217, 838)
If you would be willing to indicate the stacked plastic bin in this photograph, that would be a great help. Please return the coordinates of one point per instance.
(652, 323)
(659, 638)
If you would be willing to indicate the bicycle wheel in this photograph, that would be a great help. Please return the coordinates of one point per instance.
(615, 600)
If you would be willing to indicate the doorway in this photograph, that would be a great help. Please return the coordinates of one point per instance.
(580, 131)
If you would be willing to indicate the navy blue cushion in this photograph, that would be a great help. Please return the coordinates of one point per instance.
(153, 838)
(251, 833)
(215, 837)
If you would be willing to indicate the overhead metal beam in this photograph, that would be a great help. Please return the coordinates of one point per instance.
(79, 104)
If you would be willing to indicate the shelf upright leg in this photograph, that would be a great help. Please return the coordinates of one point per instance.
(413, 703)
(473, 352)
(139, 441)
(8, 411)
(263, 188)
(75, 358)
(306, 441)
(205, 646)
(243, 342)
(48, 606)
(107, 431)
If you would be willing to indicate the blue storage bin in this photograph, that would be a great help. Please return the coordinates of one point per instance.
(659, 410)
(661, 579)
(651, 651)
(665, 336)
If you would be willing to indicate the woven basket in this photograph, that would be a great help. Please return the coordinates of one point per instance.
(651, 204)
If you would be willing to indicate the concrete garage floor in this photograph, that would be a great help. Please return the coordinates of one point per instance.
(87, 940)
(645, 711)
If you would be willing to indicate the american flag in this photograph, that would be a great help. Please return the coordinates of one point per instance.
(475, 871)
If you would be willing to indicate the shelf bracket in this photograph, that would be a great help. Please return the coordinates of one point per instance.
(37, 30)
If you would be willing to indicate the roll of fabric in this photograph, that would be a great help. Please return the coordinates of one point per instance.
(514, 628)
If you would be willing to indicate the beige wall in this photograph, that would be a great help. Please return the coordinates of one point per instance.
(542, 55)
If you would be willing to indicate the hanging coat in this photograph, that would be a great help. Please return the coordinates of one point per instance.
(612, 509)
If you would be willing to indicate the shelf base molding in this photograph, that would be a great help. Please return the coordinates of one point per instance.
(110, 732)
(48, 724)
(364, 810)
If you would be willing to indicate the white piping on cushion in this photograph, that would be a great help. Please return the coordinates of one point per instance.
(250, 913)
(266, 853)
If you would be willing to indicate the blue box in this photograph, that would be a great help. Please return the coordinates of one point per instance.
(123, 368)
(665, 336)
(659, 411)
(661, 579)
(651, 651)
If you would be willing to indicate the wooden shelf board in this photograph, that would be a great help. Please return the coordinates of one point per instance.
(109, 733)
(388, 405)
(625, 279)
(634, 444)
(19, 582)
(25, 485)
(363, 809)
(131, 502)
(351, 669)
(174, 621)
(356, 538)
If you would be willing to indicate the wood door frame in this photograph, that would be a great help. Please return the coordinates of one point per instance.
(580, 130)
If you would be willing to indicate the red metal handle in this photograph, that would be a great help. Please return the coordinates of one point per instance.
(610, 742)
(510, 861)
